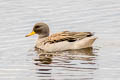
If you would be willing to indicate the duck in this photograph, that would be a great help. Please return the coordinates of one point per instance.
(60, 41)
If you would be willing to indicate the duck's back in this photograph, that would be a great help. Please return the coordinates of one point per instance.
(68, 36)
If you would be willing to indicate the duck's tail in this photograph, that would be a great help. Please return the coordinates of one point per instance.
(85, 43)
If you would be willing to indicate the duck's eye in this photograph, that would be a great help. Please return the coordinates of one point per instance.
(37, 26)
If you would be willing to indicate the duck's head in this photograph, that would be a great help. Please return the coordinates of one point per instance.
(41, 29)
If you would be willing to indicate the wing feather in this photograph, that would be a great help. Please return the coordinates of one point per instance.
(67, 36)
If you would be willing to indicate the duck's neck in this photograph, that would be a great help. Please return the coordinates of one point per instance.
(43, 36)
(40, 41)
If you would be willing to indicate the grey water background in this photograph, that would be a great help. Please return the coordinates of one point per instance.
(17, 54)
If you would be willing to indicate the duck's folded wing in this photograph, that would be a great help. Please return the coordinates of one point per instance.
(67, 36)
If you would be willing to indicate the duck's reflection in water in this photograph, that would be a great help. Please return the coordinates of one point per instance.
(45, 58)
(80, 62)
(81, 54)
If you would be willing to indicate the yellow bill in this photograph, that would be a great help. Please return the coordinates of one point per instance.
(30, 34)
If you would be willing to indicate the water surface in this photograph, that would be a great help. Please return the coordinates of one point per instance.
(19, 61)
